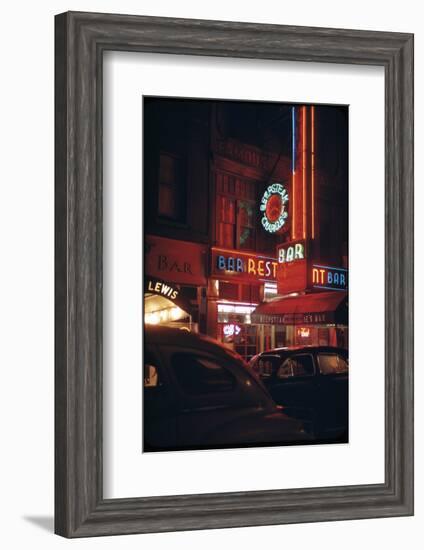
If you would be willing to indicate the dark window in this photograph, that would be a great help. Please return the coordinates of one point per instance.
(226, 221)
(228, 291)
(250, 293)
(200, 375)
(265, 367)
(236, 223)
(171, 199)
(332, 364)
(235, 212)
(245, 225)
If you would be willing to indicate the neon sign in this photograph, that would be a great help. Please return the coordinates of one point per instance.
(254, 266)
(243, 266)
(332, 278)
(273, 207)
(291, 252)
(159, 287)
(304, 332)
(231, 330)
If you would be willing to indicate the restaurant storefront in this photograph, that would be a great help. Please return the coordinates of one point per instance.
(319, 319)
(312, 306)
(239, 281)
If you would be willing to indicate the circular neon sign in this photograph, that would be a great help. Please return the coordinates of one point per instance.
(273, 207)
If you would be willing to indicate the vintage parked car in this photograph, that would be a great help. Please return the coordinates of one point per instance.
(199, 394)
(311, 383)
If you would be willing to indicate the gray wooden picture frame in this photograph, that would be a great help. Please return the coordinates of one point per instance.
(80, 40)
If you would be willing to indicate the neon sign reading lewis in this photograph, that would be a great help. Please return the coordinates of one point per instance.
(273, 207)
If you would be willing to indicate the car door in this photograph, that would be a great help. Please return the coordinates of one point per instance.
(211, 393)
(159, 406)
(334, 392)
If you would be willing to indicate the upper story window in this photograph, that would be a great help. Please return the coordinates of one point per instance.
(235, 213)
(245, 225)
(172, 188)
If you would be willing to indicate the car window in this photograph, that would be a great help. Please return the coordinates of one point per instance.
(151, 371)
(265, 367)
(199, 375)
(151, 376)
(296, 366)
(331, 363)
(285, 370)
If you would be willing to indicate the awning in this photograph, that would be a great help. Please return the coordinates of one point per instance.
(160, 295)
(308, 309)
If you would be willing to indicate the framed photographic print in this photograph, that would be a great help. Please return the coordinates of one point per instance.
(234, 274)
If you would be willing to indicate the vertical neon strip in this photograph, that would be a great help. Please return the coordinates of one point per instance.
(293, 139)
(313, 169)
(304, 168)
(294, 172)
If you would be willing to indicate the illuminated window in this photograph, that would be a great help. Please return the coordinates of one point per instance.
(172, 191)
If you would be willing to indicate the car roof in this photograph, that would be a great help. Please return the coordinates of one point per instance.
(307, 349)
(155, 334)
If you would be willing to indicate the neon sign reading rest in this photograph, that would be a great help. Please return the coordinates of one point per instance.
(273, 207)
(251, 265)
(242, 266)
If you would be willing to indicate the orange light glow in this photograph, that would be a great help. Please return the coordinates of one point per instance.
(304, 167)
(304, 332)
(313, 169)
(294, 205)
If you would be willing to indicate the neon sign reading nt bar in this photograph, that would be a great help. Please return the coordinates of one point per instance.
(334, 278)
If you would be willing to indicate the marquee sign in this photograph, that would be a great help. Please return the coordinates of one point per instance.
(326, 317)
(273, 207)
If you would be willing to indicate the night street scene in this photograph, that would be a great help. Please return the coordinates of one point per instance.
(245, 235)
